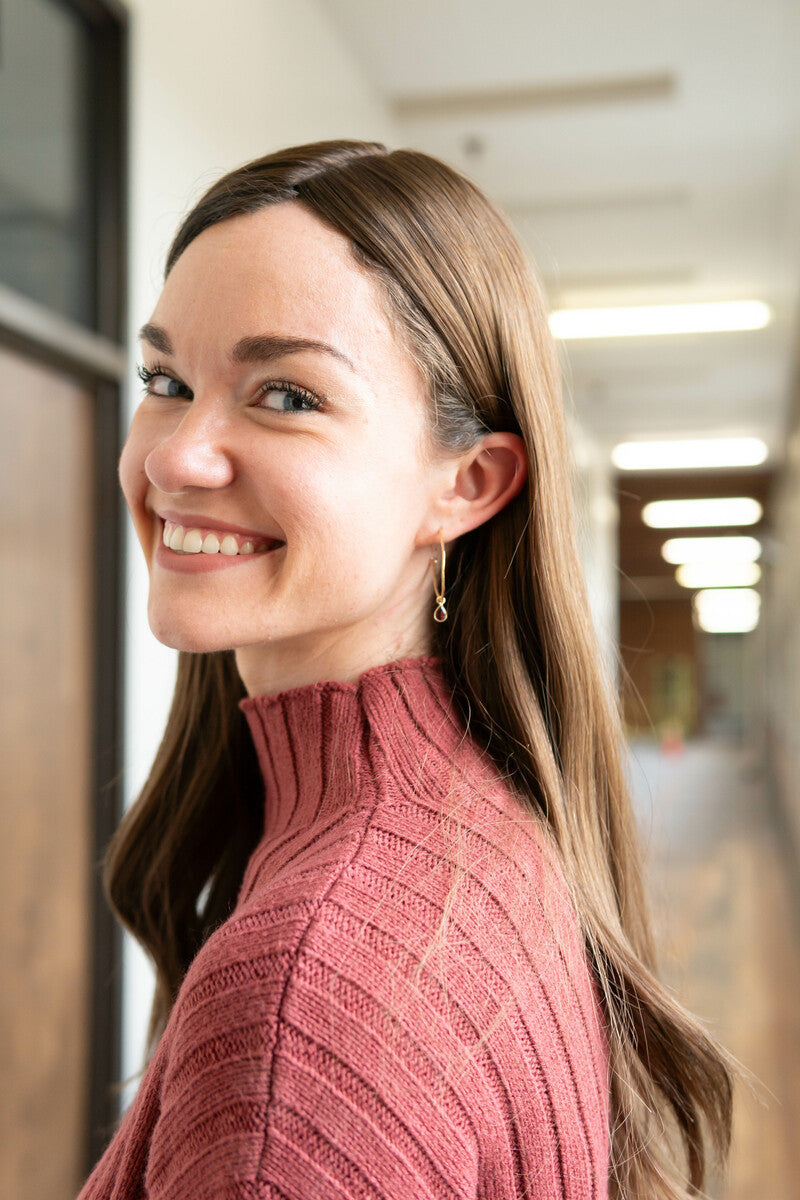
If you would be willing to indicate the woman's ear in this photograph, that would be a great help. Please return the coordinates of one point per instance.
(487, 477)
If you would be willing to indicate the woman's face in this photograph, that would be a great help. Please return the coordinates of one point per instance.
(232, 436)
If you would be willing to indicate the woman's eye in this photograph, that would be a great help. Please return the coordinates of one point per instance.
(158, 383)
(282, 398)
(167, 386)
(280, 395)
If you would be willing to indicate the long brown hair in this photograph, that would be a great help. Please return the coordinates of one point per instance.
(519, 645)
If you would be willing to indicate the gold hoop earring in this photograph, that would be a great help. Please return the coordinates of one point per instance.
(440, 612)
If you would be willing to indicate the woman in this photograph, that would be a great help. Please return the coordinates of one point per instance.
(385, 863)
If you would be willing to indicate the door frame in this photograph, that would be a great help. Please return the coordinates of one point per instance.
(97, 357)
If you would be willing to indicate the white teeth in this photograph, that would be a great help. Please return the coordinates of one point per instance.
(191, 541)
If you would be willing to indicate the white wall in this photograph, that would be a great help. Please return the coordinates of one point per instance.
(780, 591)
(597, 515)
(781, 563)
(212, 86)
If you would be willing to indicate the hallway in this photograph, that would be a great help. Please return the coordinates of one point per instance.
(726, 918)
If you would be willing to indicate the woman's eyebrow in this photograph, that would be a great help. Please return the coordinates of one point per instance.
(261, 348)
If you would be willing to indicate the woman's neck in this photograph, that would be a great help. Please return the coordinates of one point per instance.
(277, 667)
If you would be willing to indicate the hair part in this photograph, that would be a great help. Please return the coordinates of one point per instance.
(520, 648)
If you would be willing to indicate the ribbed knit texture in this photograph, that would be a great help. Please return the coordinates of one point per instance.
(314, 1052)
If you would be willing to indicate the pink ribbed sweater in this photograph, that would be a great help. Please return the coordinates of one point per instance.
(315, 1052)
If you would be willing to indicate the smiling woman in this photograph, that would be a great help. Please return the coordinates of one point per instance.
(385, 863)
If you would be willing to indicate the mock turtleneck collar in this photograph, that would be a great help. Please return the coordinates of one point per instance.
(320, 744)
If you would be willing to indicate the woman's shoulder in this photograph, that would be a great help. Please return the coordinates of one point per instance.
(465, 866)
(385, 993)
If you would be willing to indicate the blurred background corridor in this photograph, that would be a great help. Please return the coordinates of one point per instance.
(649, 158)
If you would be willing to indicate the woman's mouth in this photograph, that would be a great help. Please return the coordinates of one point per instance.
(196, 540)
(193, 550)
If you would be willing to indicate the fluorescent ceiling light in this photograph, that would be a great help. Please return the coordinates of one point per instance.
(728, 315)
(682, 514)
(711, 549)
(694, 452)
(727, 610)
(717, 575)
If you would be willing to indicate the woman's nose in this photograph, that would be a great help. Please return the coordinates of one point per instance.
(194, 454)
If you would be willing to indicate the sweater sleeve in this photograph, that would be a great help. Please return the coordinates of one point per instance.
(270, 1089)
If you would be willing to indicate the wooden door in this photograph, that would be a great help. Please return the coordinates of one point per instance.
(46, 676)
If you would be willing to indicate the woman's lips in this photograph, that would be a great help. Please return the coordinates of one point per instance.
(211, 524)
(192, 564)
(222, 540)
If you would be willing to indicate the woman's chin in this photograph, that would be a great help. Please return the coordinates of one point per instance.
(189, 635)
(192, 645)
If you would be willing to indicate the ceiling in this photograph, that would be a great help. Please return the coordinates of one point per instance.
(643, 572)
(648, 153)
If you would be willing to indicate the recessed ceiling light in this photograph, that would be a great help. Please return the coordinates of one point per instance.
(722, 510)
(711, 549)
(717, 575)
(654, 319)
(677, 454)
(727, 610)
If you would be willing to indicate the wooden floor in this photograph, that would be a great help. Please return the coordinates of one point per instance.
(727, 918)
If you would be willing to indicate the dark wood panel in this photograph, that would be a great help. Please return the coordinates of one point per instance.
(662, 680)
(46, 734)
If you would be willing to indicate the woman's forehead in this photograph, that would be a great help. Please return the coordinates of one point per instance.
(283, 271)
